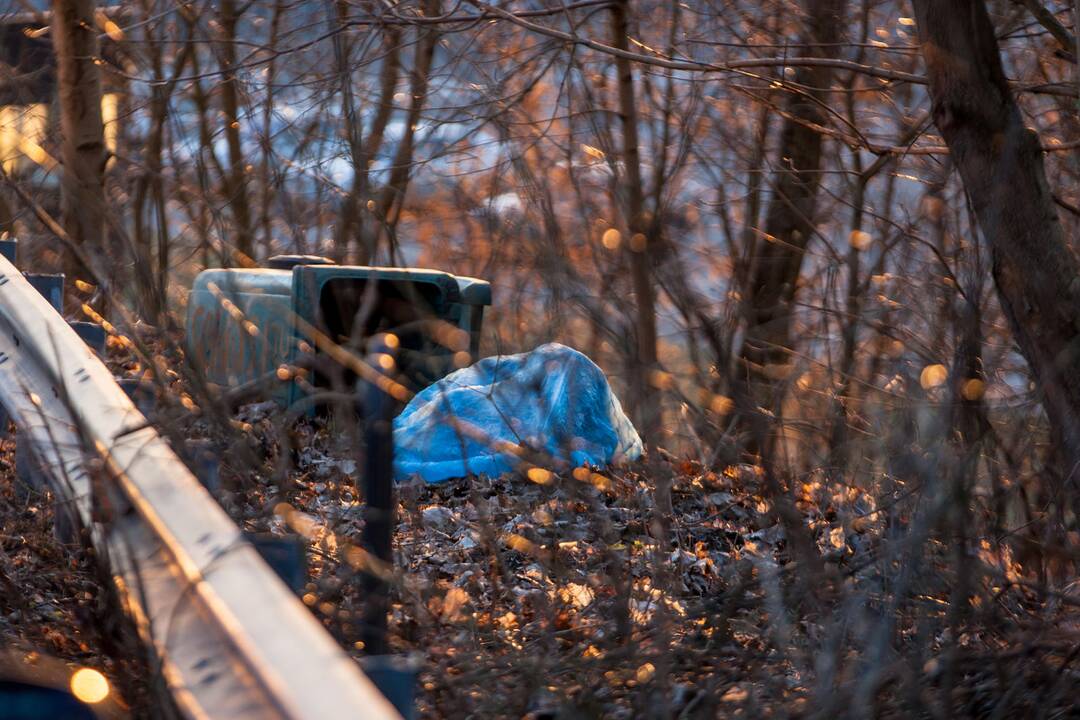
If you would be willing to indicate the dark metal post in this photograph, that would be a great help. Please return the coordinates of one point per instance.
(9, 248)
(378, 417)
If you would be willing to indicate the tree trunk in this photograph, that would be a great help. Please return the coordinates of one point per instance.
(392, 199)
(777, 254)
(639, 246)
(83, 147)
(350, 228)
(1000, 161)
(236, 189)
(150, 187)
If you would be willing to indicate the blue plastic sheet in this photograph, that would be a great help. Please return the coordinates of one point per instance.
(476, 421)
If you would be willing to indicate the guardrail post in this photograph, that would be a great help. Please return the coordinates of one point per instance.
(378, 411)
(51, 287)
(92, 334)
(286, 556)
(202, 458)
(9, 248)
(141, 393)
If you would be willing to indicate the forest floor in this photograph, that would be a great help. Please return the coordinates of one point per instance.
(660, 590)
(527, 599)
(667, 590)
(541, 597)
(56, 611)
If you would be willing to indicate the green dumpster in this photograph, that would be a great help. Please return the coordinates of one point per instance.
(244, 325)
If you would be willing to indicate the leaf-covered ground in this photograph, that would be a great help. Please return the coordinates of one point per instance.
(56, 615)
(666, 590)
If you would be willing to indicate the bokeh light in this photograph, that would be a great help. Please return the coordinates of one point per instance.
(89, 686)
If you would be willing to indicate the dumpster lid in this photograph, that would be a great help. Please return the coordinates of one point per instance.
(474, 291)
(451, 287)
(288, 262)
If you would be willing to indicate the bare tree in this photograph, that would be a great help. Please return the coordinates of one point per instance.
(641, 245)
(776, 257)
(236, 182)
(83, 147)
(1001, 163)
(362, 150)
(392, 199)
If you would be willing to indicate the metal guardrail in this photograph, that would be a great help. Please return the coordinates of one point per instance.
(232, 640)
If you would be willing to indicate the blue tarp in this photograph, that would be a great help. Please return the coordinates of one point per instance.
(475, 421)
